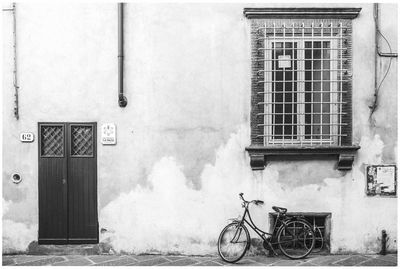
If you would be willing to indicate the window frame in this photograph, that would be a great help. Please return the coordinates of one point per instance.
(260, 153)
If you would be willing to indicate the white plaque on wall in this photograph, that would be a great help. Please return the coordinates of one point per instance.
(284, 61)
(26, 137)
(108, 134)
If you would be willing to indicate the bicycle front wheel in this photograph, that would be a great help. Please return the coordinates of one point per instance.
(233, 242)
(296, 239)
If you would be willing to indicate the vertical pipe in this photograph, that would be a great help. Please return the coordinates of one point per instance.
(122, 101)
(376, 49)
(377, 31)
(16, 109)
(383, 243)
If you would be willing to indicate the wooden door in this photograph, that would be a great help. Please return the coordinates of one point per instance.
(67, 183)
(52, 184)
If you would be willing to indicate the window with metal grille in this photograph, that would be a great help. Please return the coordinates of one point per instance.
(301, 84)
(319, 221)
(304, 78)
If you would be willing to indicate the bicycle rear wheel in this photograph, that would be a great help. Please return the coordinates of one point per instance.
(233, 242)
(296, 239)
(319, 240)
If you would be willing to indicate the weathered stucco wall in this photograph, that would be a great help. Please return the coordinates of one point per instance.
(171, 182)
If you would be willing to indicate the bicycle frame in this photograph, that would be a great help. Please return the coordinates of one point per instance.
(257, 230)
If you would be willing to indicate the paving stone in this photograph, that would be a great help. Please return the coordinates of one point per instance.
(307, 264)
(152, 262)
(221, 262)
(146, 257)
(72, 257)
(182, 262)
(377, 262)
(207, 263)
(74, 262)
(29, 258)
(389, 257)
(249, 262)
(265, 260)
(351, 261)
(41, 262)
(174, 258)
(286, 263)
(103, 258)
(327, 260)
(8, 261)
(122, 260)
(203, 258)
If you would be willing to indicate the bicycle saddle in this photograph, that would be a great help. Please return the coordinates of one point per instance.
(279, 209)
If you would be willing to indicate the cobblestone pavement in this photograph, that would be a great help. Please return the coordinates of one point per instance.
(159, 260)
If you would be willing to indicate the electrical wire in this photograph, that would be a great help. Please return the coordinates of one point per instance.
(390, 49)
(374, 105)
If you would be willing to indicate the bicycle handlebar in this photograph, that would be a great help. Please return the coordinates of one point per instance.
(256, 202)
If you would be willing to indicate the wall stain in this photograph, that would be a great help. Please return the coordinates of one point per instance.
(293, 174)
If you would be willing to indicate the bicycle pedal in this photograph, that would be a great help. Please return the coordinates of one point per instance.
(266, 245)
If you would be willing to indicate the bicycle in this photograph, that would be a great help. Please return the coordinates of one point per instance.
(295, 236)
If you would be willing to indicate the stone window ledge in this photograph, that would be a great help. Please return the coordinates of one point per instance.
(344, 155)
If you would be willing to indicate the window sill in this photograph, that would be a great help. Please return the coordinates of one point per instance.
(325, 13)
(259, 155)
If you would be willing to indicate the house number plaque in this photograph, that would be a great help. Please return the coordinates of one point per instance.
(26, 137)
(108, 134)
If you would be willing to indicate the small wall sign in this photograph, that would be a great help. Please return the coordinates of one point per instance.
(26, 137)
(284, 61)
(381, 180)
(108, 134)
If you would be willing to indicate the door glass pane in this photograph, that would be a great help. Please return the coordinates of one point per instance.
(284, 88)
(317, 89)
(51, 141)
(81, 141)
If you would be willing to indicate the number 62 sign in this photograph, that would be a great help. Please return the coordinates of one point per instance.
(26, 137)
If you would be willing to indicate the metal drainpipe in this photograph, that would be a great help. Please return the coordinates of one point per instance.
(378, 52)
(122, 101)
(15, 82)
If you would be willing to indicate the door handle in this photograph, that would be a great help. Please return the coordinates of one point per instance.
(64, 181)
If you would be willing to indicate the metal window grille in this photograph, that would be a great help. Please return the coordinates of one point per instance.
(52, 141)
(322, 221)
(81, 141)
(303, 70)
